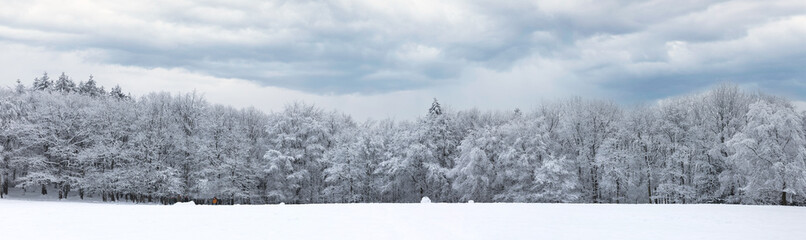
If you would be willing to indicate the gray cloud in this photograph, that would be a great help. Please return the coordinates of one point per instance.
(634, 50)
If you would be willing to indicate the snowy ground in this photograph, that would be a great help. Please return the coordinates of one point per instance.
(20, 219)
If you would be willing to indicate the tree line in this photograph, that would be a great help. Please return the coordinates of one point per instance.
(720, 146)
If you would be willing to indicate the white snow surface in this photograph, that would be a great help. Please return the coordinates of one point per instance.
(183, 204)
(76, 220)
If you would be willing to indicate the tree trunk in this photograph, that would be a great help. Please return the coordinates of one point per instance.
(44, 189)
(595, 182)
(783, 198)
(4, 190)
(5, 185)
(649, 188)
(66, 190)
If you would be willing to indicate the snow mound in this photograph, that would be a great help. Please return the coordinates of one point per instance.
(471, 201)
(282, 203)
(425, 200)
(191, 203)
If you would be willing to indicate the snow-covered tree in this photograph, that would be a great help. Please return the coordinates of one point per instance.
(586, 126)
(677, 145)
(58, 131)
(20, 88)
(351, 165)
(11, 115)
(42, 83)
(723, 145)
(619, 163)
(90, 88)
(555, 182)
(64, 84)
(298, 138)
(154, 146)
(718, 115)
(474, 174)
(521, 146)
(189, 111)
(225, 169)
(771, 153)
(117, 93)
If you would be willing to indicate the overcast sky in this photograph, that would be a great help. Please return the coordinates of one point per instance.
(390, 58)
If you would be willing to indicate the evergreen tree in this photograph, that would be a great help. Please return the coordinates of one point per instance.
(89, 88)
(42, 83)
(19, 88)
(117, 93)
(64, 84)
(438, 136)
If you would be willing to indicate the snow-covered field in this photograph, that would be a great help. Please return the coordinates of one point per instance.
(21, 219)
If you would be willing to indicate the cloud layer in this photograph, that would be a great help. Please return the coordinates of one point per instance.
(373, 54)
